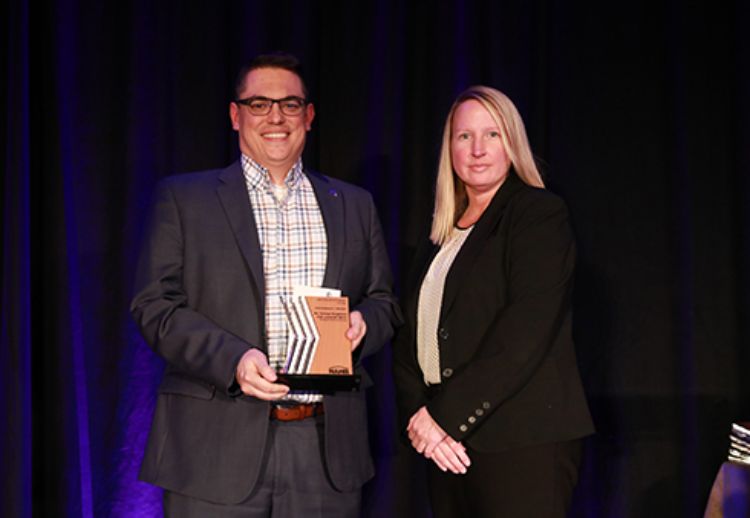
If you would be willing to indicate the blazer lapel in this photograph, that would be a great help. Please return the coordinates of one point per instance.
(466, 257)
(331, 205)
(232, 192)
(423, 258)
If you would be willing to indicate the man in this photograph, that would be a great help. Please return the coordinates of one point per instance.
(223, 248)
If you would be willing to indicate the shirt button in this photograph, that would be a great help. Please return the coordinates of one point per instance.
(486, 405)
(443, 333)
(472, 419)
(447, 372)
(463, 427)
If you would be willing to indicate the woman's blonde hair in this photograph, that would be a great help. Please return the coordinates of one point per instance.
(450, 192)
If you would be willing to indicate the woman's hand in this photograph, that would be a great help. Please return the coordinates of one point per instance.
(429, 439)
(424, 433)
(450, 455)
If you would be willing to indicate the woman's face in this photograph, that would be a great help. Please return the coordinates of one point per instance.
(477, 150)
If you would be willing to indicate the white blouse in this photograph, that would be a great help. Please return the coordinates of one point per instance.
(430, 302)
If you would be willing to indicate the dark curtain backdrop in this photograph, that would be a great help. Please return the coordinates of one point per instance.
(639, 113)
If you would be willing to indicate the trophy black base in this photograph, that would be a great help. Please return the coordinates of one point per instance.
(324, 383)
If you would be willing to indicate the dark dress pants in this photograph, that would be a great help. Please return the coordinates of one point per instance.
(531, 482)
(293, 482)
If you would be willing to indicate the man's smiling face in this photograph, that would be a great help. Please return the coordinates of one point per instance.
(274, 140)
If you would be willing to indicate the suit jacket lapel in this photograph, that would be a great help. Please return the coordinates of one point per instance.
(331, 205)
(466, 257)
(232, 192)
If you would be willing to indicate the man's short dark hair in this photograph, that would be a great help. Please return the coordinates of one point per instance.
(282, 60)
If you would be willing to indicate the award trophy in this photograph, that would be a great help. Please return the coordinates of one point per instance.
(319, 356)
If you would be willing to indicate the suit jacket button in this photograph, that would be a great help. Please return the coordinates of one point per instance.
(443, 333)
(472, 419)
(479, 412)
(463, 427)
(486, 405)
(447, 372)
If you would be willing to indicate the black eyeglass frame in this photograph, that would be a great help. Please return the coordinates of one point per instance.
(249, 100)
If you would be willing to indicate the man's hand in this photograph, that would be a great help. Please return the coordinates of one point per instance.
(429, 439)
(256, 377)
(357, 328)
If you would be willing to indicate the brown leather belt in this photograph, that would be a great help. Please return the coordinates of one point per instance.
(296, 412)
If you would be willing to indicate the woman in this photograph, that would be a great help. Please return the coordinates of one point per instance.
(485, 368)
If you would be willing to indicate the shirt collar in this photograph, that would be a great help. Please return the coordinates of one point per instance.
(258, 176)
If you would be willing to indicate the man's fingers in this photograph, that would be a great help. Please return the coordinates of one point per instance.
(354, 332)
(267, 373)
(266, 396)
(357, 328)
(263, 389)
(266, 387)
(256, 377)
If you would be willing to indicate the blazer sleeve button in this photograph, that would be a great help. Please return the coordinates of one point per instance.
(463, 427)
(472, 419)
(447, 372)
(486, 405)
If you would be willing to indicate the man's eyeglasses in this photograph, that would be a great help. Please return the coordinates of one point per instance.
(259, 105)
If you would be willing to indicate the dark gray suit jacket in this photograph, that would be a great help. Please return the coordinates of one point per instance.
(508, 366)
(199, 302)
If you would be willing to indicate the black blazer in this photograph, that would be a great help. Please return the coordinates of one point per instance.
(199, 303)
(508, 366)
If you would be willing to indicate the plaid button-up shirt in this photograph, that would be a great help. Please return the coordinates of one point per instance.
(294, 245)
